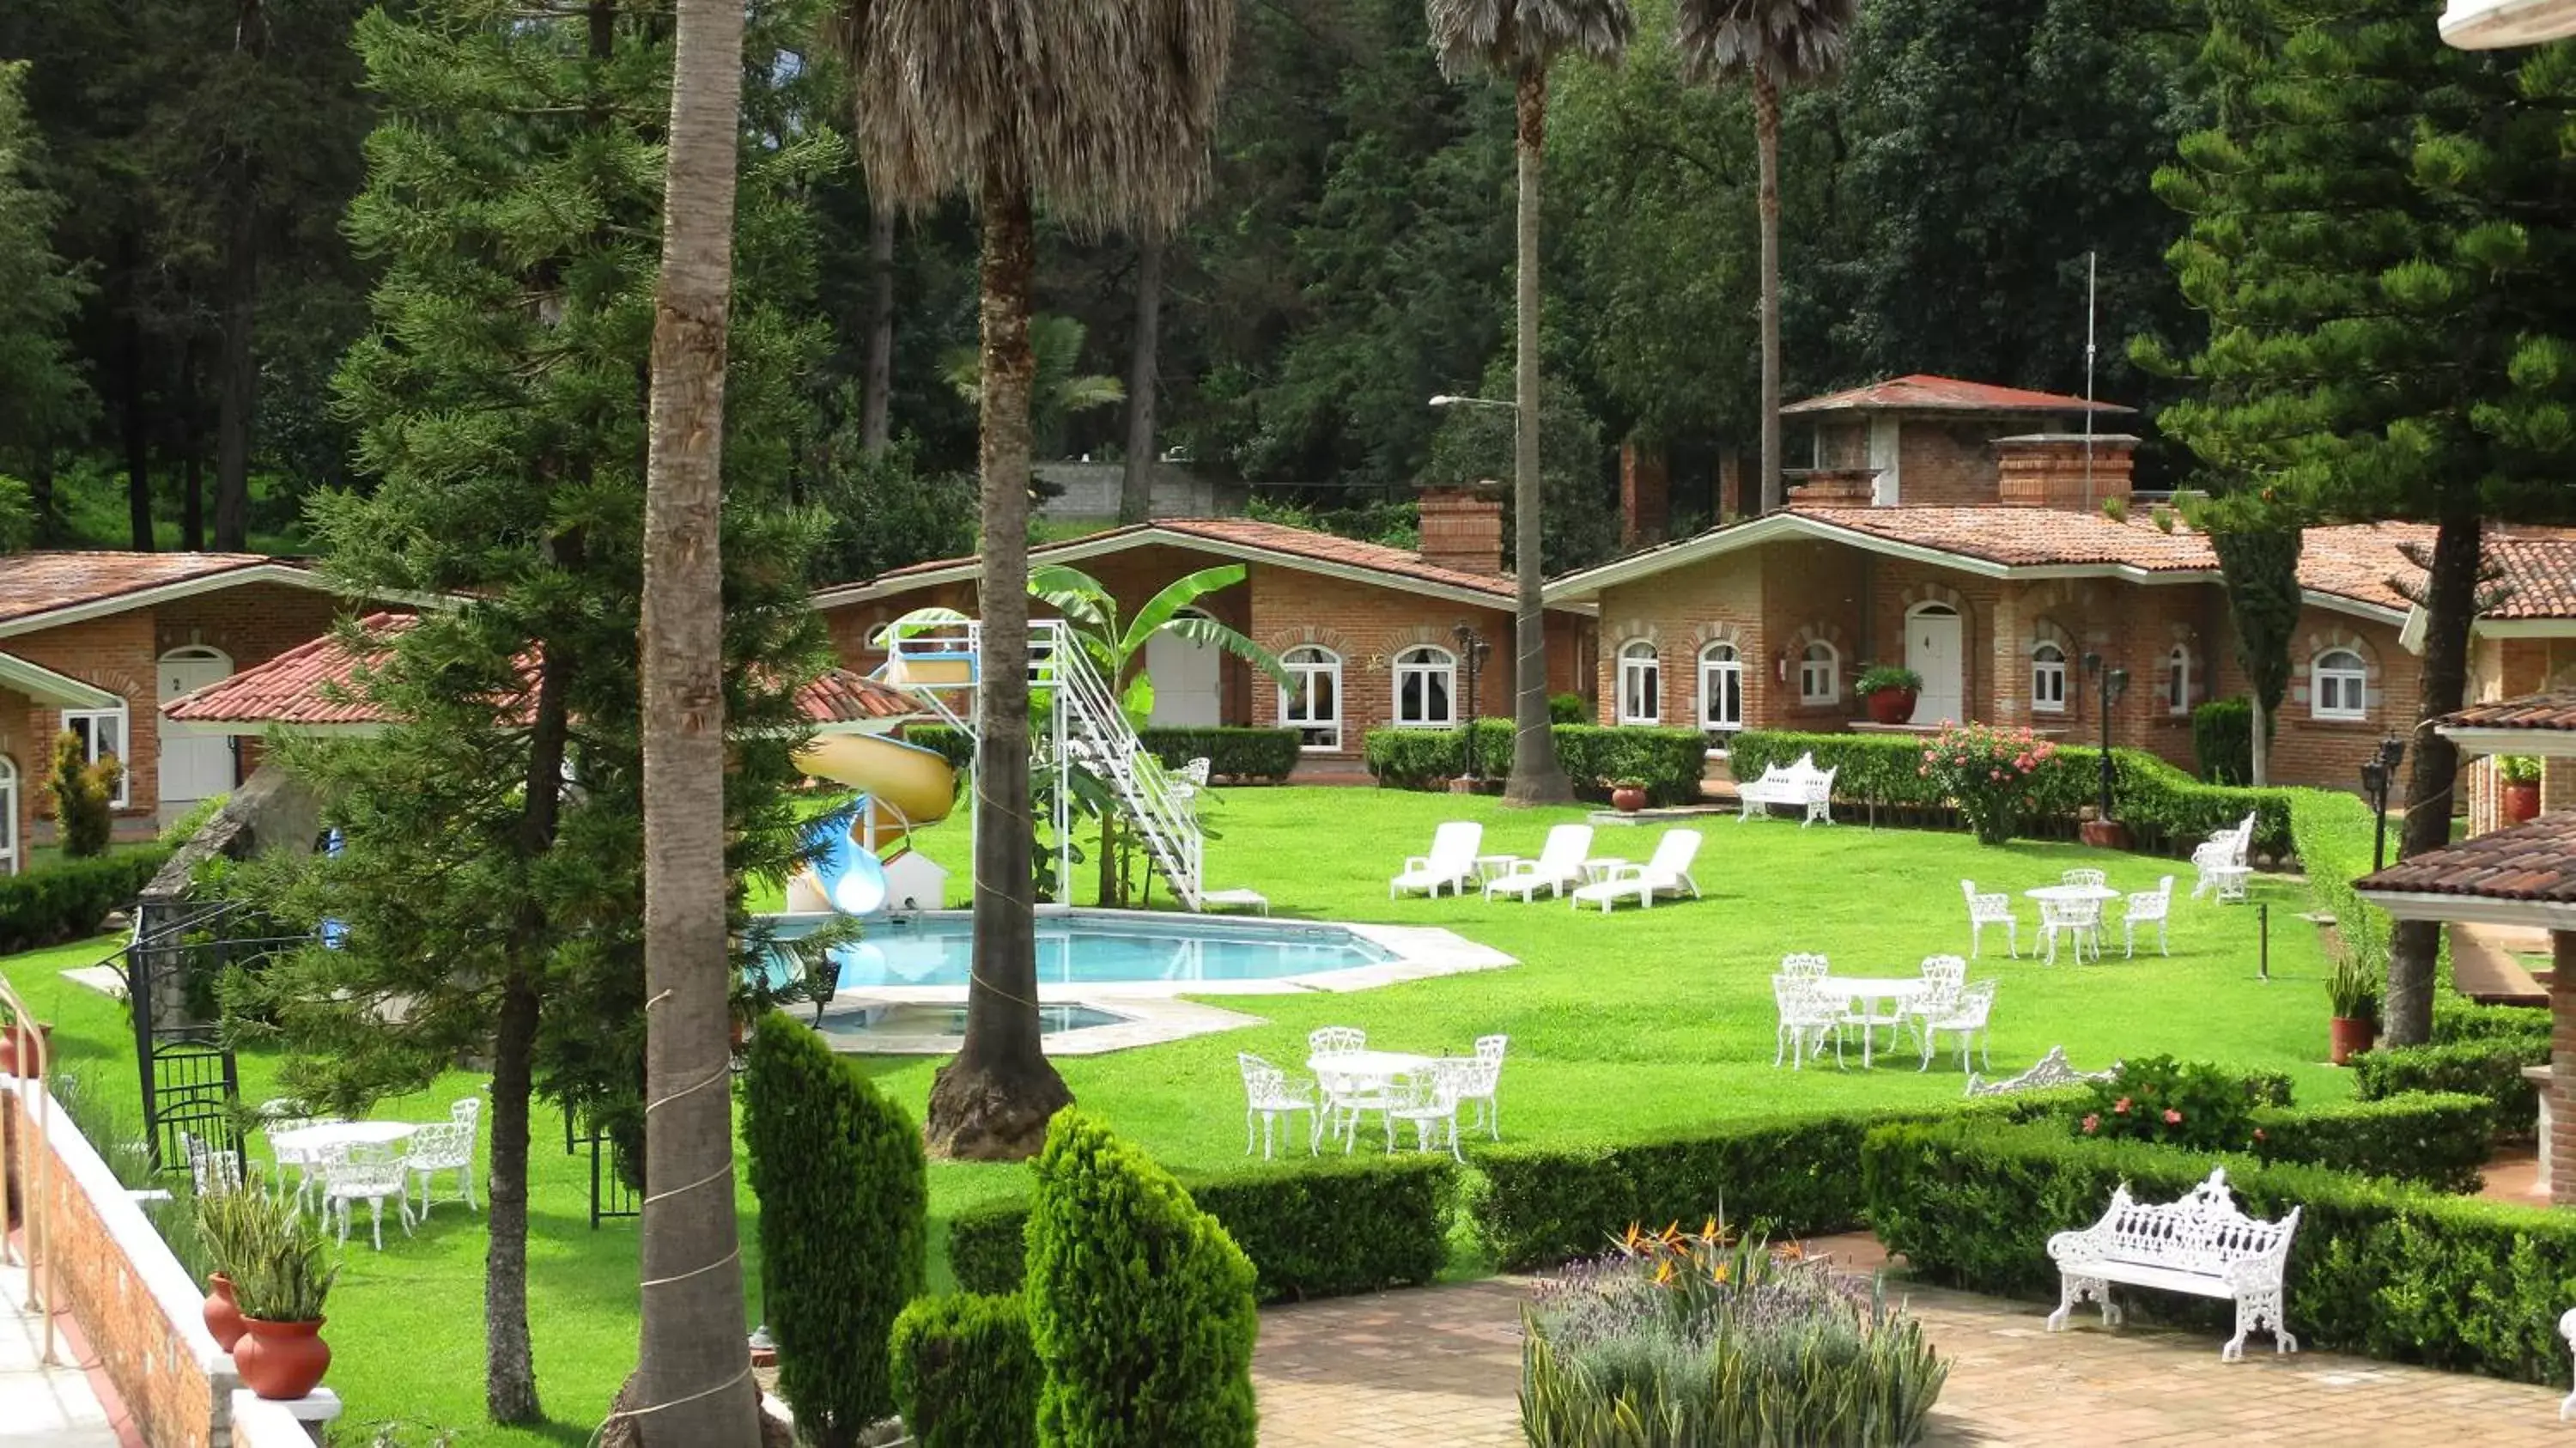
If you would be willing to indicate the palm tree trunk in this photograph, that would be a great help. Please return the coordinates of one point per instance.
(1766, 135)
(1536, 777)
(876, 391)
(2450, 607)
(1136, 483)
(695, 1370)
(992, 1103)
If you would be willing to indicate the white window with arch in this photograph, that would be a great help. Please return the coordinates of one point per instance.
(1820, 674)
(1311, 701)
(102, 734)
(2338, 685)
(2178, 680)
(1721, 688)
(1426, 688)
(1641, 684)
(2047, 679)
(11, 857)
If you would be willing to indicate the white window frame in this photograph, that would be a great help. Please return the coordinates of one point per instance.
(76, 719)
(2178, 681)
(1316, 734)
(1721, 680)
(2339, 680)
(1423, 664)
(2047, 677)
(1641, 682)
(12, 858)
(1809, 676)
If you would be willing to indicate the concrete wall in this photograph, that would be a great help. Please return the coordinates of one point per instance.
(1091, 493)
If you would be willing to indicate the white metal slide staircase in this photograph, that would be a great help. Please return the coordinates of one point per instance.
(1089, 730)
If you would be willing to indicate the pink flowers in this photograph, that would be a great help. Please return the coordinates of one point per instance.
(2172, 1117)
(2121, 1106)
(2093, 1120)
(2258, 1133)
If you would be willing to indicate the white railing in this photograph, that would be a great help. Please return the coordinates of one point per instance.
(35, 1146)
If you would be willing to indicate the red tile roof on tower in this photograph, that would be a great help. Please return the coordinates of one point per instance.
(2538, 573)
(1922, 392)
(2531, 862)
(2552, 711)
(42, 582)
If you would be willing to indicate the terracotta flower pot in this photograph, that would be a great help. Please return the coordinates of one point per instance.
(2104, 834)
(2348, 1038)
(281, 1360)
(18, 1054)
(1627, 798)
(223, 1313)
(2521, 800)
(1892, 706)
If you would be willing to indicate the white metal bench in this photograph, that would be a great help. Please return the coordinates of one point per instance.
(2053, 1069)
(2201, 1245)
(1799, 784)
(2221, 864)
(2567, 1330)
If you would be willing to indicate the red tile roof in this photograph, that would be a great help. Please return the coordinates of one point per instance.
(1232, 534)
(2535, 862)
(1922, 392)
(35, 583)
(2539, 576)
(2530, 711)
(2027, 537)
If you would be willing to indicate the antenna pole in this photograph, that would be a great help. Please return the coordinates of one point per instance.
(2089, 313)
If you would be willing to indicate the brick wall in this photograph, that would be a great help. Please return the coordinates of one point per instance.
(1679, 613)
(1812, 593)
(116, 654)
(1462, 528)
(2060, 470)
(1945, 463)
(2502, 669)
(2327, 752)
(2131, 626)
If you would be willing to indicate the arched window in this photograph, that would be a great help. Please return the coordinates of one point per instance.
(1721, 688)
(1426, 688)
(1641, 684)
(2178, 681)
(2047, 679)
(1820, 674)
(9, 852)
(2338, 684)
(102, 736)
(1311, 701)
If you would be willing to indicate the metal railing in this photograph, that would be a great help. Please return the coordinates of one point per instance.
(35, 1145)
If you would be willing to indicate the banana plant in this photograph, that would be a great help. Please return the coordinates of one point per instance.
(1117, 649)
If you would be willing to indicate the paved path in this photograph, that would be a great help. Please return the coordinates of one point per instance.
(1441, 1366)
(51, 1406)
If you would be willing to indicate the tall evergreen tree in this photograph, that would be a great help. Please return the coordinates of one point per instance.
(2381, 231)
(42, 397)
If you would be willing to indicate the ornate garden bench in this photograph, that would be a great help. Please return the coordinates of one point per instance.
(2052, 1069)
(2201, 1245)
(1801, 783)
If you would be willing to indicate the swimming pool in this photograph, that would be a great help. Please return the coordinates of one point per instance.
(1098, 947)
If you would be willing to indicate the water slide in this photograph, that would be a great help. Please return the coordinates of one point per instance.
(863, 860)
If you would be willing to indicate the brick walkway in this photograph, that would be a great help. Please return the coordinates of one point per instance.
(1441, 1366)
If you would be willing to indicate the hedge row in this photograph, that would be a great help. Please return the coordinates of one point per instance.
(2490, 1069)
(2377, 1268)
(1326, 1227)
(2164, 808)
(1242, 756)
(965, 1372)
(2458, 1018)
(70, 898)
(2332, 833)
(1668, 762)
(2438, 1139)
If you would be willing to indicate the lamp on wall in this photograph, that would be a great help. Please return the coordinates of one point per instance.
(2495, 24)
(1780, 665)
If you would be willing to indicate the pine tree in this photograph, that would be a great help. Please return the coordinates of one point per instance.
(42, 397)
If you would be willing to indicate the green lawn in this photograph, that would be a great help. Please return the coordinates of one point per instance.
(1644, 1021)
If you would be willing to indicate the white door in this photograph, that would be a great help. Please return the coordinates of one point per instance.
(1932, 650)
(9, 852)
(195, 763)
(1188, 684)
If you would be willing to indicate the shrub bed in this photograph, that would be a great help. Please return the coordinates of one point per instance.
(1669, 762)
(68, 899)
(2377, 1268)
(2435, 1138)
(1243, 756)
(2490, 1069)
(2457, 1018)
(1325, 1228)
(965, 1375)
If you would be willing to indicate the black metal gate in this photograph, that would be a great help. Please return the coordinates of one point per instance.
(610, 1196)
(190, 1081)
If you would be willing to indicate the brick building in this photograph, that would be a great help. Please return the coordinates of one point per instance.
(1368, 632)
(2523, 643)
(95, 642)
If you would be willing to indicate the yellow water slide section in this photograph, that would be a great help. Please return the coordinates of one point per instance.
(907, 785)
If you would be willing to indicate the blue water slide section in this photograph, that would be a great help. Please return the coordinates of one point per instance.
(333, 931)
(853, 878)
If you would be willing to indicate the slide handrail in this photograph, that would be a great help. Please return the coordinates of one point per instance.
(37, 1146)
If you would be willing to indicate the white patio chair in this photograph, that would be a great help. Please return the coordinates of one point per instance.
(1805, 967)
(1944, 973)
(1346, 1098)
(277, 1118)
(1480, 1088)
(1190, 780)
(2148, 906)
(1668, 873)
(1993, 909)
(1429, 1100)
(1271, 1093)
(2078, 920)
(213, 1171)
(2093, 879)
(1807, 1016)
(2220, 864)
(1558, 868)
(1963, 1015)
(363, 1171)
(437, 1147)
(1450, 865)
(1335, 1040)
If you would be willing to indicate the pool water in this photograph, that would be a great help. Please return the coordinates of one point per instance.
(931, 1020)
(1097, 949)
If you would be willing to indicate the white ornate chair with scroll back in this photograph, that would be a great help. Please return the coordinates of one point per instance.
(2201, 1245)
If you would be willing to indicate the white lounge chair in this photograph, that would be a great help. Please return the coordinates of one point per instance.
(1668, 873)
(1450, 865)
(1558, 868)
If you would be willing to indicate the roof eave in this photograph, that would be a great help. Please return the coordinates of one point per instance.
(48, 687)
(215, 582)
(2473, 909)
(2477, 739)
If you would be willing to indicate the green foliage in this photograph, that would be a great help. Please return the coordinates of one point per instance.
(1668, 762)
(2518, 769)
(1474, 445)
(2439, 1139)
(1568, 709)
(2331, 831)
(281, 1269)
(1239, 755)
(233, 1227)
(183, 829)
(1140, 1306)
(1325, 1227)
(42, 396)
(2353, 988)
(1883, 678)
(83, 796)
(2490, 1068)
(2177, 1103)
(2259, 566)
(1988, 773)
(887, 509)
(965, 1373)
(1058, 393)
(17, 515)
(69, 898)
(844, 1190)
(2457, 1018)
(2222, 742)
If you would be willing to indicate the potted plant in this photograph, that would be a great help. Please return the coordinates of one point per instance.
(229, 1224)
(2353, 990)
(19, 1044)
(1889, 691)
(2521, 776)
(1627, 796)
(284, 1274)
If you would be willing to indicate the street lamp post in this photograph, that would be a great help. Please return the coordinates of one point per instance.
(1472, 649)
(2109, 685)
(2378, 777)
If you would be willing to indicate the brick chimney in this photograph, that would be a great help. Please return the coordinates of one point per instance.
(1645, 495)
(1462, 528)
(2047, 470)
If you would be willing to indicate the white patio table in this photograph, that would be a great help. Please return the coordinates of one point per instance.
(2078, 895)
(1601, 867)
(1491, 867)
(298, 1148)
(1364, 1075)
(1867, 991)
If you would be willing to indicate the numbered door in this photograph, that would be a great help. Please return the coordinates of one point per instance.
(1933, 649)
(196, 763)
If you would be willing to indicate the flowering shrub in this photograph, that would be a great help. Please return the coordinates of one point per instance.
(2156, 1098)
(1681, 1339)
(1988, 772)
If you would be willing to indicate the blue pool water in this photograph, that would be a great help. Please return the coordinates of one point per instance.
(1098, 949)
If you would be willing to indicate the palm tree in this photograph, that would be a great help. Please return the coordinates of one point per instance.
(1106, 108)
(1058, 390)
(690, 1372)
(1776, 43)
(1518, 40)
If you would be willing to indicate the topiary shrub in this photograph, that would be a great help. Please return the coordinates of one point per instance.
(84, 797)
(844, 1199)
(1568, 709)
(965, 1374)
(2222, 741)
(72, 897)
(1140, 1306)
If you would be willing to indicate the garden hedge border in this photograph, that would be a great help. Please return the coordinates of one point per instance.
(1669, 762)
(1238, 756)
(2435, 1138)
(68, 899)
(2490, 1069)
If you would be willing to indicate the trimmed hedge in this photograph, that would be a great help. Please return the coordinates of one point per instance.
(1326, 1228)
(2332, 833)
(2164, 808)
(1241, 756)
(965, 1373)
(2490, 1069)
(2438, 1139)
(2458, 1018)
(1669, 762)
(68, 899)
(2377, 1268)
(2222, 740)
